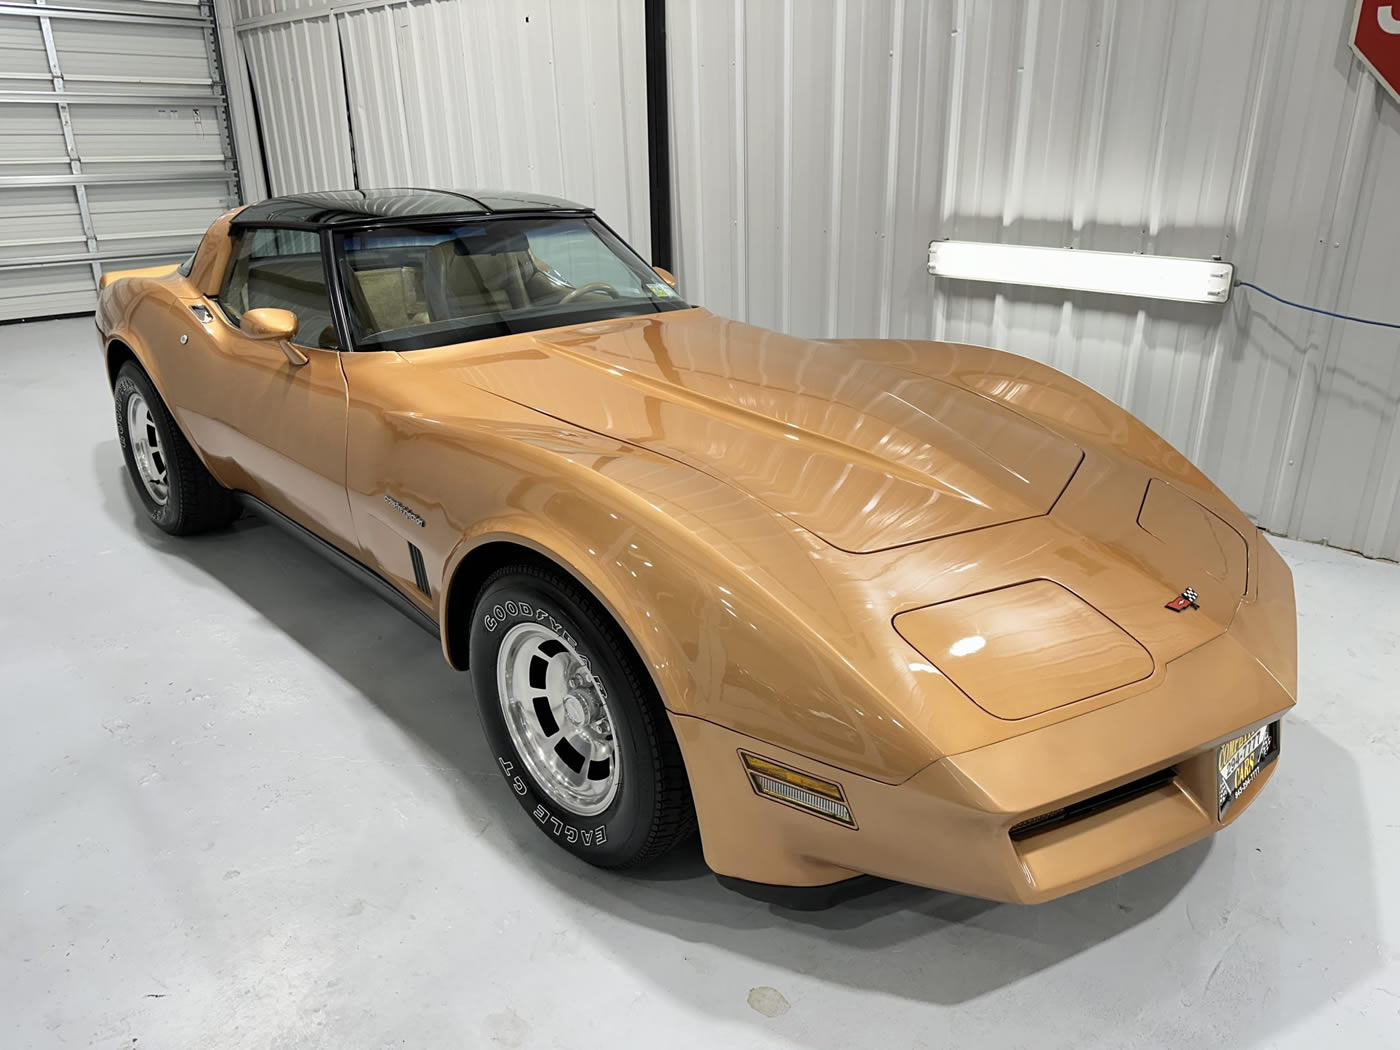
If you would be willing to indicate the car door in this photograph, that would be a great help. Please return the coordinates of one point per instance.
(268, 422)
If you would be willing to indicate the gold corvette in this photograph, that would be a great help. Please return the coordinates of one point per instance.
(927, 612)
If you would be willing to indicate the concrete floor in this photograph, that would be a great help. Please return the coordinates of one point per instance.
(243, 803)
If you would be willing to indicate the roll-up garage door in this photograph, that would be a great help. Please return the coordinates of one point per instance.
(114, 144)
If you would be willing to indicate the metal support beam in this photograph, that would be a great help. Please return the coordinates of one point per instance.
(658, 135)
(107, 158)
(79, 258)
(96, 14)
(227, 130)
(116, 179)
(128, 235)
(93, 98)
(74, 161)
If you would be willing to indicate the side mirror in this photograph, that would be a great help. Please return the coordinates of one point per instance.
(665, 275)
(272, 324)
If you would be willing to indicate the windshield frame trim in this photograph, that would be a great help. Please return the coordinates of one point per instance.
(333, 241)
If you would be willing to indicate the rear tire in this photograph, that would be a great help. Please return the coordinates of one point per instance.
(179, 494)
(581, 736)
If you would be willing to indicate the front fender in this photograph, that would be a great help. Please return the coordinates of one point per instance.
(705, 582)
(742, 617)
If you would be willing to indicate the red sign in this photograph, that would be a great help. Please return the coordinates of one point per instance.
(1375, 37)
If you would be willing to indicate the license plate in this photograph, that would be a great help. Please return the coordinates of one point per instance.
(1242, 759)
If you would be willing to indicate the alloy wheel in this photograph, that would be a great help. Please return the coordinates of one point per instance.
(146, 449)
(557, 715)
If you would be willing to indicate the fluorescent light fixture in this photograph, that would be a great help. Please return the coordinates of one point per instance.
(1114, 273)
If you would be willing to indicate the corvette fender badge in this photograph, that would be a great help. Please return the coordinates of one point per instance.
(1183, 601)
(406, 512)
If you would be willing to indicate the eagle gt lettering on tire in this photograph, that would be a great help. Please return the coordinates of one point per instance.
(577, 728)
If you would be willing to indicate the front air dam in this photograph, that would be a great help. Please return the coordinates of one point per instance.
(950, 826)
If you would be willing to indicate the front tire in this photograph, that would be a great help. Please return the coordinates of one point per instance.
(179, 494)
(574, 722)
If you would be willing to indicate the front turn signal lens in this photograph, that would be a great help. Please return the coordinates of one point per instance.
(823, 798)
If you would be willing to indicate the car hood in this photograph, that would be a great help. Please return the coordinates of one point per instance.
(863, 453)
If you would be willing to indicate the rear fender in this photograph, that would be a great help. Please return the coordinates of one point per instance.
(111, 276)
(150, 364)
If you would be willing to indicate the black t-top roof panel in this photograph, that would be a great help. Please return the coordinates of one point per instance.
(368, 207)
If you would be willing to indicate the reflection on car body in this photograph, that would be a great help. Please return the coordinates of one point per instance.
(847, 607)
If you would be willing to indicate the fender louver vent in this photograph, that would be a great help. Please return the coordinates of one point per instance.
(420, 574)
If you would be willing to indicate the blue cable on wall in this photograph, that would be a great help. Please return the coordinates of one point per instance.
(1315, 309)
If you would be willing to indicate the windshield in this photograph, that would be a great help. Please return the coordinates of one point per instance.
(412, 287)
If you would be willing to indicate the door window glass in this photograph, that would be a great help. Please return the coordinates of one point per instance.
(282, 269)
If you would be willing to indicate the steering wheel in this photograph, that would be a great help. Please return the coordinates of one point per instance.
(591, 286)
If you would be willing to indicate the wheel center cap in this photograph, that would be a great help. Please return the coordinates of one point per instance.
(575, 710)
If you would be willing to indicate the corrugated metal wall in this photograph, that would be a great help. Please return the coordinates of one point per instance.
(304, 119)
(543, 95)
(114, 149)
(819, 147)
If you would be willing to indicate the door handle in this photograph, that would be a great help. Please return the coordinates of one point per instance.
(201, 313)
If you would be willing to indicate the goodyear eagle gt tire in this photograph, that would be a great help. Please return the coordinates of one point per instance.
(179, 494)
(574, 722)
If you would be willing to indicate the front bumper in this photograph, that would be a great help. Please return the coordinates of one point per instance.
(949, 826)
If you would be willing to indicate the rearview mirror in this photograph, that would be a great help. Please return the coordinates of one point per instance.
(665, 275)
(272, 324)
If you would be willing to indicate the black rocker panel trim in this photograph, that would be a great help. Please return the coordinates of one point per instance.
(342, 561)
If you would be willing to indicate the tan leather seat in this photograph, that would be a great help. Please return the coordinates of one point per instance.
(462, 285)
(387, 299)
